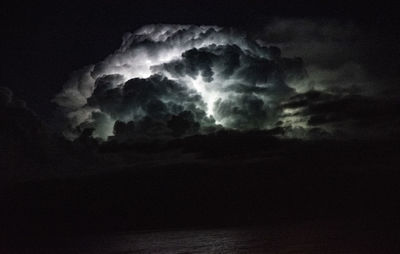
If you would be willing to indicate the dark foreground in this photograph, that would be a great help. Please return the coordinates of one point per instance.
(215, 197)
(307, 237)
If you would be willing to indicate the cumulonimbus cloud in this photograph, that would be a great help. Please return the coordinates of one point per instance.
(215, 77)
(176, 80)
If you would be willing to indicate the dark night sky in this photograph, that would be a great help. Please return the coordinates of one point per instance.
(44, 42)
(305, 97)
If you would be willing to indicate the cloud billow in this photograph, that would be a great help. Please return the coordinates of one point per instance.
(201, 77)
(170, 81)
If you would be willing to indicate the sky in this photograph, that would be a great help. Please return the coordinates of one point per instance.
(349, 54)
(297, 104)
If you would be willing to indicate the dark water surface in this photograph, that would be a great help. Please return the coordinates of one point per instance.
(283, 198)
(308, 237)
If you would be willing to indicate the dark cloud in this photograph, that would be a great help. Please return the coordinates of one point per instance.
(194, 62)
(24, 138)
(142, 97)
(17, 117)
(31, 150)
(5, 96)
(338, 54)
(183, 123)
(149, 128)
(244, 112)
(356, 115)
(149, 102)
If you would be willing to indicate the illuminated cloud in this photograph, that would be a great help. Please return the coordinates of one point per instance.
(175, 80)
(218, 75)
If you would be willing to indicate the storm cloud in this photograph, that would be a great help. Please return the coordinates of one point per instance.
(180, 80)
(170, 81)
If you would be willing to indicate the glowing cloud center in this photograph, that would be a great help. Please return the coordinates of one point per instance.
(167, 78)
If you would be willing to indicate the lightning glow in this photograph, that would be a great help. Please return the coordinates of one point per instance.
(215, 74)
